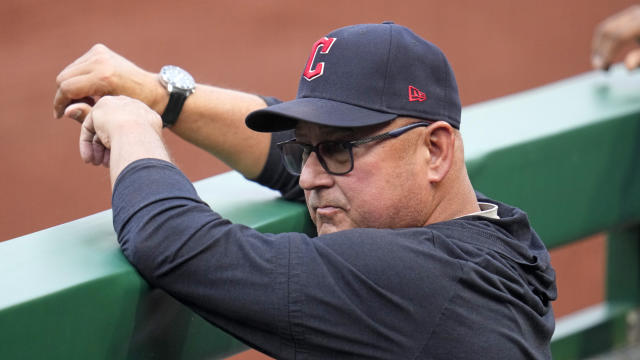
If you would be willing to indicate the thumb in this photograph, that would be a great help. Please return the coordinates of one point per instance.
(77, 111)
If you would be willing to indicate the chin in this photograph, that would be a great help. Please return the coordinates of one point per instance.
(324, 229)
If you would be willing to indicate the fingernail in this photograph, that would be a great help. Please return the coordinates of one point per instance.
(75, 115)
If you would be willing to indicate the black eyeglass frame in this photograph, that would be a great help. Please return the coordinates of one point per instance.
(348, 145)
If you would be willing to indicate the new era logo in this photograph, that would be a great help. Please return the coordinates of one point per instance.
(416, 95)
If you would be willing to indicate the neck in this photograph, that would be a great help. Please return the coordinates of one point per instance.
(453, 200)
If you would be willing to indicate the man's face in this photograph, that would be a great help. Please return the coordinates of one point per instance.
(387, 188)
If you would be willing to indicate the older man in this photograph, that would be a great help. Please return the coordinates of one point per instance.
(409, 262)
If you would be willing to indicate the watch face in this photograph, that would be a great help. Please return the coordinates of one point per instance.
(177, 77)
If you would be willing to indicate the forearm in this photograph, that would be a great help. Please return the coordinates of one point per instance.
(213, 119)
(218, 269)
(134, 142)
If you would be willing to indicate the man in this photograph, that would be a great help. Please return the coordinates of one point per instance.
(409, 262)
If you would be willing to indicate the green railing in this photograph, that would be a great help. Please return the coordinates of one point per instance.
(568, 153)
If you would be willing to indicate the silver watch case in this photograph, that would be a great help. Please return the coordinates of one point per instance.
(176, 79)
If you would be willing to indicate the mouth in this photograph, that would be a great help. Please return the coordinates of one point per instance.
(327, 211)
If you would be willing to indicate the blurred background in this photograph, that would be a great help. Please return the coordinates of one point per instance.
(496, 47)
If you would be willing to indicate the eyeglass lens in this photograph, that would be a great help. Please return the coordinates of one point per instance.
(333, 156)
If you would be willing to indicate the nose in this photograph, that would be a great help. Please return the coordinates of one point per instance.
(313, 175)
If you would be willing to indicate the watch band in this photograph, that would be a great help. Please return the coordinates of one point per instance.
(173, 109)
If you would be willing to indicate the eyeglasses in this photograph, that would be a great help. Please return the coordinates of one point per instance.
(336, 157)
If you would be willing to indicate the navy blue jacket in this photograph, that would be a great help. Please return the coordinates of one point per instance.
(468, 288)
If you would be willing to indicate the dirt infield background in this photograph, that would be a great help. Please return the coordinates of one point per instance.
(495, 47)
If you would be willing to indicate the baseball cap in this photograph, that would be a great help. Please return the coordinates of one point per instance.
(365, 75)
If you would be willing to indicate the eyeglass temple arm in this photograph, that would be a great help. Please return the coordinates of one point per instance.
(392, 133)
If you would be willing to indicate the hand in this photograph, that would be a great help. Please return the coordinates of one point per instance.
(614, 33)
(116, 116)
(102, 72)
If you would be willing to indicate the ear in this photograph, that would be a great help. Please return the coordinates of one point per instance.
(440, 141)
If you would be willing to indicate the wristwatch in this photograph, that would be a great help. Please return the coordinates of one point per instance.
(180, 85)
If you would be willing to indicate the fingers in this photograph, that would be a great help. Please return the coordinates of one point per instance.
(87, 132)
(106, 158)
(91, 148)
(607, 40)
(604, 47)
(93, 151)
(78, 111)
(613, 34)
(76, 88)
(98, 151)
(632, 60)
(102, 72)
(84, 77)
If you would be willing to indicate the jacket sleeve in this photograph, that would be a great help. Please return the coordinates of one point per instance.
(222, 271)
(274, 175)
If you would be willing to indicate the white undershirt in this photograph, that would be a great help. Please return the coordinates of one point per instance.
(487, 210)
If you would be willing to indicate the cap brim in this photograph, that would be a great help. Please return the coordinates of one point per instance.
(284, 116)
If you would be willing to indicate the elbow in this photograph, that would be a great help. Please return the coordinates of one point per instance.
(138, 250)
(164, 242)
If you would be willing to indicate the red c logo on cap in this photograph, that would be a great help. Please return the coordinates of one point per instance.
(324, 43)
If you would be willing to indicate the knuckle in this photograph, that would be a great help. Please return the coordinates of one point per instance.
(105, 72)
(101, 63)
(99, 48)
(101, 60)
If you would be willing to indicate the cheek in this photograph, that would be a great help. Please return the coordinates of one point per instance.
(370, 197)
(388, 198)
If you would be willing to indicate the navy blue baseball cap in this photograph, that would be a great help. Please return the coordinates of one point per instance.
(365, 75)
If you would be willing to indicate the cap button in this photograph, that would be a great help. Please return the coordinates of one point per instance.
(388, 22)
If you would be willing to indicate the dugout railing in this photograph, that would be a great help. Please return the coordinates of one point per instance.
(568, 153)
